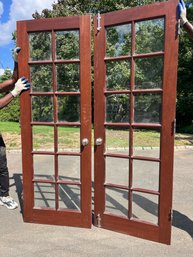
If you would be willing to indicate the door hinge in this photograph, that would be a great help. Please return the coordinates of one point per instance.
(98, 22)
(98, 220)
(171, 215)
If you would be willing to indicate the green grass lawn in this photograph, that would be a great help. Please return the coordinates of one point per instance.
(69, 137)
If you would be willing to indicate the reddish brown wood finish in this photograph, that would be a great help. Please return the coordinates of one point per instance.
(44, 215)
(161, 232)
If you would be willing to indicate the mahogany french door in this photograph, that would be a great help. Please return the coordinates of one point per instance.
(134, 112)
(56, 120)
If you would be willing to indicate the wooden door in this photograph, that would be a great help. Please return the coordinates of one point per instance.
(136, 53)
(56, 120)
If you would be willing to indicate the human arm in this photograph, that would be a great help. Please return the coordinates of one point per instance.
(8, 85)
(22, 84)
(183, 19)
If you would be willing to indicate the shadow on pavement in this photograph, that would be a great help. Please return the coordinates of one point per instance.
(180, 220)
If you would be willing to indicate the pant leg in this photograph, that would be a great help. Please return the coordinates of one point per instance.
(4, 174)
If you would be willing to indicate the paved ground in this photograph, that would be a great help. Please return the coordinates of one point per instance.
(29, 240)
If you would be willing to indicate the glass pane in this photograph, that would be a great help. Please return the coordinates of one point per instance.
(43, 138)
(145, 207)
(118, 40)
(118, 75)
(42, 108)
(40, 46)
(67, 44)
(117, 140)
(69, 168)
(149, 36)
(41, 78)
(43, 167)
(117, 171)
(68, 77)
(116, 201)
(44, 195)
(147, 108)
(69, 108)
(69, 197)
(146, 175)
(69, 139)
(117, 108)
(148, 73)
(146, 142)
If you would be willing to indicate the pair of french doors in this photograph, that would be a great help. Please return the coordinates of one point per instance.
(135, 71)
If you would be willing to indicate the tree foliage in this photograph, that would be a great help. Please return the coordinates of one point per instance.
(184, 114)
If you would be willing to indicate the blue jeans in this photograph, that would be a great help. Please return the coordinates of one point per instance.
(4, 174)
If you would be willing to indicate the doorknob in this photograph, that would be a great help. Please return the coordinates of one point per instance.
(99, 141)
(85, 141)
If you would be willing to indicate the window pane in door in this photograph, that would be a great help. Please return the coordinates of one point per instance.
(69, 197)
(43, 138)
(69, 108)
(41, 78)
(69, 168)
(118, 40)
(117, 108)
(42, 109)
(147, 108)
(117, 171)
(149, 36)
(118, 75)
(40, 46)
(67, 44)
(44, 195)
(116, 201)
(117, 140)
(146, 175)
(148, 72)
(43, 167)
(68, 77)
(146, 142)
(145, 207)
(68, 139)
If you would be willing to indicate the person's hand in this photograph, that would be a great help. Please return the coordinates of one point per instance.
(182, 12)
(22, 84)
(15, 53)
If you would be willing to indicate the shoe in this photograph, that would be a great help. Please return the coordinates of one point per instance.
(8, 202)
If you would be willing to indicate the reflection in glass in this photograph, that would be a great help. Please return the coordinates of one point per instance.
(69, 197)
(146, 175)
(117, 171)
(117, 140)
(117, 108)
(69, 168)
(69, 139)
(118, 75)
(44, 195)
(42, 108)
(146, 142)
(43, 166)
(148, 73)
(118, 40)
(145, 207)
(116, 201)
(43, 138)
(147, 108)
(69, 108)
(68, 77)
(41, 78)
(40, 46)
(149, 36)
(67, 44)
